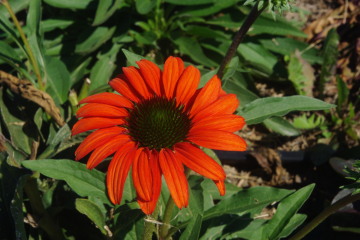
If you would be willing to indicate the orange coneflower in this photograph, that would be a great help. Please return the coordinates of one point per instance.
(156, 126)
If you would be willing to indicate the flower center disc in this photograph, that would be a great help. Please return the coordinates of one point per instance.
(157, 123)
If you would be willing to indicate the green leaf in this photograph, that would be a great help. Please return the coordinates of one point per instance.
(258, 57)
(189, 2)
(192, 230)
(91, 39)
(247, 229)
(62, 135)
(304, 122)
(79, 4)
(78, 73)
(247, 200)
(329, 53)
(8, 53)
(192, 48)
(131, 57)
(14, 124)
(343, 91)
(83, 181)
(55, 23)
(301, 74)
(208, 9)
(281, 126)
(58, 77)
(145, 6)
(286, 210)
(16, 208)
(92, 211)
(294, 222)
(105, 10)
(101, 72)
(34, 17)
(261, 109)
(231, 68)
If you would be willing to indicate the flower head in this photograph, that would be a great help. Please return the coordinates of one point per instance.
(155, 126)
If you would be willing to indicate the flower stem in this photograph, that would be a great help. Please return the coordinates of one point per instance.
(239, 36)
(324, 214)
(26, 44)
(167, 217)
(150, 226)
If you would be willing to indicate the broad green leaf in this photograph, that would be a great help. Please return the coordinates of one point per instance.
(231, 68)
(329, 54)
(246, 200)
(101, 72)
(237, 86)
(301, 74)
(145, 6)
(192, 230)
(105, 10)
(58, 78)
(286, 210)
(193, 49)
(205, 32)
(281, 126)
(71, 4)
(83, 181)
(263, 108)
(91, 39)
(131, 57)
(34, 17)
(247, 229)
(92, 211)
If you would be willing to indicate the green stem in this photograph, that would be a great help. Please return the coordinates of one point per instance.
(324, 214)
(239, 36)
(150, 226)
(26, 44)
(164, 229)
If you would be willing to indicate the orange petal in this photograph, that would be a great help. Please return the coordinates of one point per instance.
(174, 176)
(228, 122)
(118, 171)
(187, 84)
(224, 105)
(173, 69)
(136, 81)
(101, 110)
(215, 139)
(221, 186)
(195, 159)
(149, 207)
(151, 74)
(121, 85)
(87, 124)
(102, 152)
(207, 95)
(141, 175)
(108, 98)
(96, 139)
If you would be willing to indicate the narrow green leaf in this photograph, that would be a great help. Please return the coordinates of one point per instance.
(329, 53)
(293, 223)
(8, 53)
(54, 23)
(189, 2)
(91, 39)
(286, 210)
(105, 10)
(193, 49)
(131, 57)
(16, 208)
(281, 126)
(246, 200)
(71, 4)
(208, 9)
(92, 211)
(343, 91)
(83, 181)
(192, 230)
(59, 78)
(261, 109)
